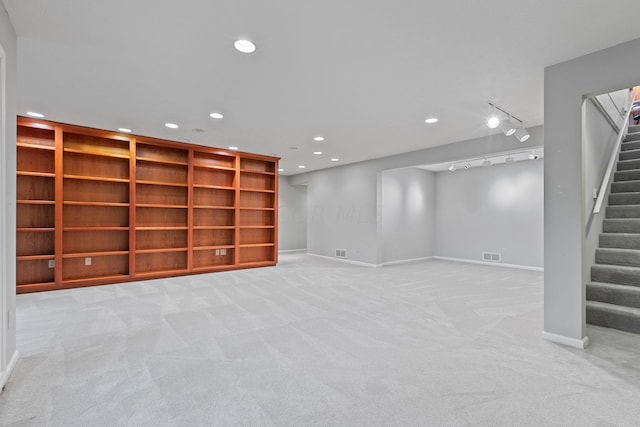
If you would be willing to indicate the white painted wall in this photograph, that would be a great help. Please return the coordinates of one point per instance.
(344, 202)
(8, 353)
(292, 215)
(408, 214)
(566, 254)
(492, 209)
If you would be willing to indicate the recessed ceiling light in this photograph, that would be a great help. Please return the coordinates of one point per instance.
(431, 120)
(34, 114)
(301, 166)
(171, 125)
(335, 159)
(216, 115)
(493, 122)
(280, 170)
(233, 148)
(319, 138)
(125, 130)
(197, 130)
(244, 46)
(317, 152)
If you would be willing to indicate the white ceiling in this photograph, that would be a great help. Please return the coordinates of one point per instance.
(363, 73)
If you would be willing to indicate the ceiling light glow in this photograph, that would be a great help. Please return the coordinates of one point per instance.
(301, 166)
(171, 125)
(431, 120)
(317, 153)
(335, 159)
(452, 167)
(34, 114)
(216, 115)
(493, 122)
(125, 130)
(319, 138)
(233, 148)
(244, 46)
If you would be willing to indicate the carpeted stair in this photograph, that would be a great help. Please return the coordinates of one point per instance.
(613, 295)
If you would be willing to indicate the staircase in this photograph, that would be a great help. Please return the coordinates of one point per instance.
(613, 295)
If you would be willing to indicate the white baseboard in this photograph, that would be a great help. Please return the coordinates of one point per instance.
(348, 261)
(494, 264)
(406, 261)
(291, 251)
(561, 339)
(4, 375)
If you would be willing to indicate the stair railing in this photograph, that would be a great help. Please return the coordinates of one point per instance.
(614, 156)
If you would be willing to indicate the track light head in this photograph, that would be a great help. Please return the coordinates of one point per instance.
(533, 156)
(521, 134)
(467, 165)
(509, 160)
(486, 163)
(508, 127)
(452, 167)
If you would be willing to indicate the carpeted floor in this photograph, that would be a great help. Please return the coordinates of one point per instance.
(314, 342)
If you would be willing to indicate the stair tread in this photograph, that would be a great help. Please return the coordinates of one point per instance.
(615, 286)
(626, 268)
(622, 235)
(618, 309)
(619, 250)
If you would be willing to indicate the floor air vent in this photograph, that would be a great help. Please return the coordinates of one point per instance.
(492, 256)
(341, 253)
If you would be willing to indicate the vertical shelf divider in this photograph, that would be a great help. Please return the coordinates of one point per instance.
(275, 213)
(190, 174)
(59, 204)
(132, 207)
(236, 220)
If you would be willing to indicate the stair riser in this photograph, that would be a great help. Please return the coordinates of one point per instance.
(610, 296)
(624, 199)
(629, 155)
(613, 320)
(606, 274)
(620, 241)
(629, 164)
(622, 212)
(632, 175)
(634, 128)
(626, 146)
(620, 226)
(625, 187)
(632, 136)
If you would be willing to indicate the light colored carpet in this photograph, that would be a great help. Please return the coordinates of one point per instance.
(314, 342)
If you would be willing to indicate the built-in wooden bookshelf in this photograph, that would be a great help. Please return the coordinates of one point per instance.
(96, 207)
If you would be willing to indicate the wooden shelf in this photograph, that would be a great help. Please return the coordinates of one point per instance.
(168, 162)
(42, 174)
(33, 257)
(91, 153)
(94, 254)
(35, 146)
(35, 202)
(138, 207)
(94, 178)
(168, 184)
(257, 172)
(257, 190)
(106, 204)
(162, 250)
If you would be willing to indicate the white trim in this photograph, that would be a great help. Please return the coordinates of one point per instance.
(4, 375)
(291, 251)
(4, 288)
(493, 264)
(348, 261)
(561, 339)
(406, 261)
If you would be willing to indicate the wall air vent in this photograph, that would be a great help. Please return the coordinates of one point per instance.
(492, 256)
(341, 253)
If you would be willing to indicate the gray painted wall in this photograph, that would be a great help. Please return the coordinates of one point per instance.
(344, 203)
(492, 209)
(408, 214)
(8, 195)
(292, 215)
(566, 272)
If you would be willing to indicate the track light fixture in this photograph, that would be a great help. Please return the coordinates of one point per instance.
(467, 165)
(486, 163)
(507, 124)
(452, 167)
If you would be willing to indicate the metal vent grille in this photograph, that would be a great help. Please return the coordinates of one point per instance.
(341, 253)
(492, 256)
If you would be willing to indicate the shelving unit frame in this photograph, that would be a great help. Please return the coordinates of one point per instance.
(98, 207)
